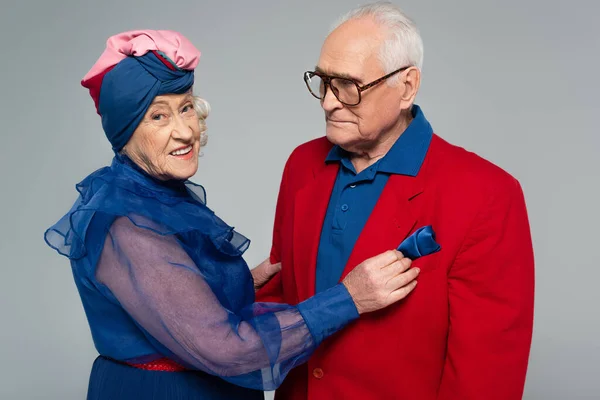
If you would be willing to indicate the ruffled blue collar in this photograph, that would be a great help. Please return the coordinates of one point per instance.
(125, 190)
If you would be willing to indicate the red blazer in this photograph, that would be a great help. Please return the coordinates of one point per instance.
(465, 331)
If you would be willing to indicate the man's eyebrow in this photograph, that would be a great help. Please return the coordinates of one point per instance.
(338, 75)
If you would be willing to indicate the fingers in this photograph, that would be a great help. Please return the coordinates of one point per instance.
(403, 279)
(264, 272)
(268, 270)
(401, 293)
(266, 262)
(386, 258)
(397, 267)
(275, 268)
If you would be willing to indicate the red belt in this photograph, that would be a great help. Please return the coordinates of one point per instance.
(161, 364)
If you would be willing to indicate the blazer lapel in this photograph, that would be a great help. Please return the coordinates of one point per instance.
(310, 208)
(393, 218)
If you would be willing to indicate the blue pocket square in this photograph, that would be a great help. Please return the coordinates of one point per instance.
(420, 243)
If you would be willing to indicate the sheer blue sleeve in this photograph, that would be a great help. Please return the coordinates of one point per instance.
(156, 281)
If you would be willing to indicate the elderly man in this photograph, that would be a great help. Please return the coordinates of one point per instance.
(378, 175)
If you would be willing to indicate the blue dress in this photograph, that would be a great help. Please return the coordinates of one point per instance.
(160, 275)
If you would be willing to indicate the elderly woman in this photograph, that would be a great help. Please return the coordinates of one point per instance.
(168, 296)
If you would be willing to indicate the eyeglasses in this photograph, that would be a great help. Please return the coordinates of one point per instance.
(347, 91)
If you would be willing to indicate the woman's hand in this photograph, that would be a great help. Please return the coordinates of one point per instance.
(380, 281)
(263, 273)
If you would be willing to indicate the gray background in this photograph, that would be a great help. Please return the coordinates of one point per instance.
(514, 80)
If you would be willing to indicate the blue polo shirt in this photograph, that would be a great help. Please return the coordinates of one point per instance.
(354, 196)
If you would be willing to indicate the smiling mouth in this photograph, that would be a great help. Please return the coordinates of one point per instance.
(182, 152)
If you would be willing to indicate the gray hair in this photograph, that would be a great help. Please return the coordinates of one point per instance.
(202, 109)
(404, 46)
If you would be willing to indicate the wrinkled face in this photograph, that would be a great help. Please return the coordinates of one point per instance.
(167, 141)
(352, 51)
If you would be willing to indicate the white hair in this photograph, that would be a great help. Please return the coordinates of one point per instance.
(202, 109)
(403, 47)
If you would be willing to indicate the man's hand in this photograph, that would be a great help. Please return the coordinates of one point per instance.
(263, 273)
